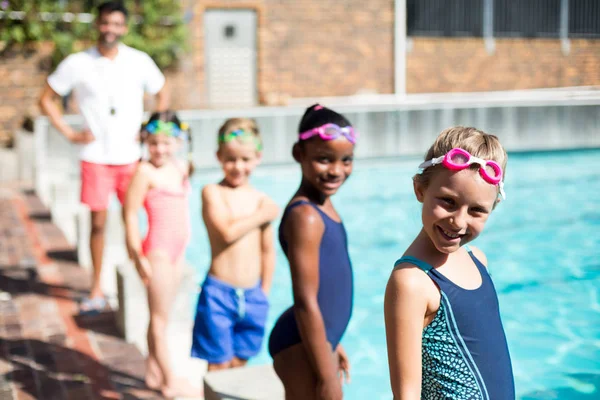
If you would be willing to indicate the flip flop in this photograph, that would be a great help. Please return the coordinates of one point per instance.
(92, 306)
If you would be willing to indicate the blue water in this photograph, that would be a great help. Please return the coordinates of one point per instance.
(543, 249)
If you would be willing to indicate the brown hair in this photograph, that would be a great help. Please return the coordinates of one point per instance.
(476, 142)
(246, 124)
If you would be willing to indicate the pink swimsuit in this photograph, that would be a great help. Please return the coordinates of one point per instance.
(168, 221)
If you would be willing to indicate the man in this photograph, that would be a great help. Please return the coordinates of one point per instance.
(109, 81)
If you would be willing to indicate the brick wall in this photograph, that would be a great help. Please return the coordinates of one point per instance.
(21, 79)
(336, 48)
(463, 65)
(305, 48)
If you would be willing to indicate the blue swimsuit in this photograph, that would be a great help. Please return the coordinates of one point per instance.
(335, 286)
(465, 354)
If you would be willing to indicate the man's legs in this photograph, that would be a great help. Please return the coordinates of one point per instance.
(97, 182)
(97, 250)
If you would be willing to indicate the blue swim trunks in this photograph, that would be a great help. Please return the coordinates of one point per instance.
(229, 322)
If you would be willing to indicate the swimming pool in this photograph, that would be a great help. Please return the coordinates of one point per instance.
(543, 247)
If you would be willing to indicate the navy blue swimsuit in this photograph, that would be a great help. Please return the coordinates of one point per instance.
(465, 354)
(335, 286)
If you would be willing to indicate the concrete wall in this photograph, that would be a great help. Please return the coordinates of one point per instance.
(522, 120)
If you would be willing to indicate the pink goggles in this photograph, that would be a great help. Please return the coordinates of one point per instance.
(330, 132)
(458, 159)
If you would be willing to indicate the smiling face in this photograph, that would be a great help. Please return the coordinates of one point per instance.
(456, 206)
(238, 159)
(326, 164)
(111, 28)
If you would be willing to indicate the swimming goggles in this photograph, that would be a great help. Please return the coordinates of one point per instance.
(330, 132)
(458, 159)
(158, 127)
(242, 135)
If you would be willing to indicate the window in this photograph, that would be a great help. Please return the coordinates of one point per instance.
(511, 18)
(526, 18)
(584, 18)
(444, 17)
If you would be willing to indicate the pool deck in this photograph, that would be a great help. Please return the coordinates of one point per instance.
(47, 351)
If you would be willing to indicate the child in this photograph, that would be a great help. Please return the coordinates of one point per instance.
(305, 342)
(232, 306)
(161, 185)
(444, 334)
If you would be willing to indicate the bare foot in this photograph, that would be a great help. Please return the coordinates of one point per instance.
(153, 377)
(182, 388)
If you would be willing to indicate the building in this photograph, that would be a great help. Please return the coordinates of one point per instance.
(266, 52)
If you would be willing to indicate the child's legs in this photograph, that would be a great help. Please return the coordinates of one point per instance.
(238, 362)
(296, 373)
(299, 379)
(162, 289)
(219, 366)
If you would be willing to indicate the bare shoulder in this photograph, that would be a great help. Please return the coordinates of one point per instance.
(182, 166)
(480, 255)
(408, 280)
(304, 214)
(145, 169)
(303, 220)
(210, 191)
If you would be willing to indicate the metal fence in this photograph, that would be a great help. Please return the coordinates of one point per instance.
(584, 18)
(526, 18)
(444, 18)
(511, 18)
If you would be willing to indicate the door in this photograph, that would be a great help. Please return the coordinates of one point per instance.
(230, 57)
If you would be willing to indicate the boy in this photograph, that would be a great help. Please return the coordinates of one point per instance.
(232, 307)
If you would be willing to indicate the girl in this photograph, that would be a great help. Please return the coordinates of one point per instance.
(444, 334)
(305, 342)
(161, 185)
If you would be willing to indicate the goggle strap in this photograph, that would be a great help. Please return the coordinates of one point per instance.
(501, 188)
(432, 162)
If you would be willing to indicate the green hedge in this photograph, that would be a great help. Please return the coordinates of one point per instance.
(155, 27)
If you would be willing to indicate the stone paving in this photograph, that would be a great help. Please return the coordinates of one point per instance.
(47, 351)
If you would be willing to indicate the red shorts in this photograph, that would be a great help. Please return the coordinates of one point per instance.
(98, 181)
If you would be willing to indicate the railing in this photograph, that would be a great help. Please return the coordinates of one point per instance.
(507, 18)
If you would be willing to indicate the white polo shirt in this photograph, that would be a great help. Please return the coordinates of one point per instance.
(110, 96)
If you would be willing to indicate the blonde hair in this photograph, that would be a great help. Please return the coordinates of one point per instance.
(476, 142)
(245, 124)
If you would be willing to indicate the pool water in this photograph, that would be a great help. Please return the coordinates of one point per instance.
(543, 249)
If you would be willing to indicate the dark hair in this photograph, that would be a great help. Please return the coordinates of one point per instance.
(165, 116)
(170, 116)
(112, 6)
(317, 115)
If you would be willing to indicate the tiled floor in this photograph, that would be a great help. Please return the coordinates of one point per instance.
(46, 350)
